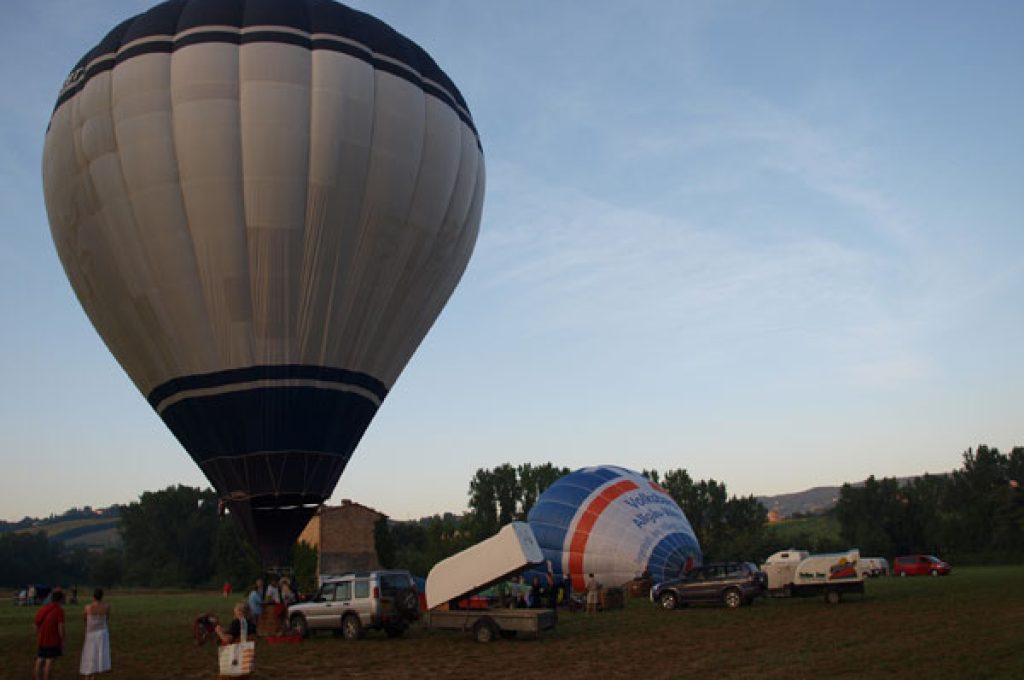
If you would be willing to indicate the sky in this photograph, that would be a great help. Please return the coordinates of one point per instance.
(777, 244)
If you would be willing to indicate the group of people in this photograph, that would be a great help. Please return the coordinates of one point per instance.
(50, 635)
(263, 612)
(268, 604)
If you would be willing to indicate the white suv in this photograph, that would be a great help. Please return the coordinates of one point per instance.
(353, 603)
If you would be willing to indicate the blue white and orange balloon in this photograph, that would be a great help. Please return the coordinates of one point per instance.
(613, 523)
(262, 207)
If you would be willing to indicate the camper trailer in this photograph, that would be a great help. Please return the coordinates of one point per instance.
(799, 574)
(780, 569)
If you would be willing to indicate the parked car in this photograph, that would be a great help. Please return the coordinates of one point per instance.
(354, 603)
(874, 566)
(919, 565)
(729, 583)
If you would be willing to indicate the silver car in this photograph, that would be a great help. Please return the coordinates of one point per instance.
(354, 603)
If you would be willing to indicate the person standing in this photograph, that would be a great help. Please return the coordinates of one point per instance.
(273, 593)
(96, 648)
(593, 594)
(256, 599)
(49, 623)
(287, 594)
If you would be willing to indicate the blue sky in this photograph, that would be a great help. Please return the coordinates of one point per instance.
(778, 244)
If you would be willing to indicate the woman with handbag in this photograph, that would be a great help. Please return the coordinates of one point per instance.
(236, 656)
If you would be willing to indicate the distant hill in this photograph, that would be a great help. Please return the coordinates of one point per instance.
(81, 527)
(810, 502)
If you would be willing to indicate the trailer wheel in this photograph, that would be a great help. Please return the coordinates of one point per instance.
(833, 596)
(732, 598)
(484, 630)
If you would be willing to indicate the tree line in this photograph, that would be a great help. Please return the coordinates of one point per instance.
(176, 538)
(726, 527)
(973, 514)
(170, 539)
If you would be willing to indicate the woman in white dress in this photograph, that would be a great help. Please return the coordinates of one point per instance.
(96, 649)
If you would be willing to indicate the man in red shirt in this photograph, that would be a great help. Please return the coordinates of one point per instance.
(49, 635)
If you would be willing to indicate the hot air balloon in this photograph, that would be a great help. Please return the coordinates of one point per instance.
(262, 207)
(613, 523)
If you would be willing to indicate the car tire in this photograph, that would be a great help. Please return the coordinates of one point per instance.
(351, 627)
(668, 600)
(935, 572)
(299, 625)
(833, 596)
(903, 573)
(484, 630)
(732, 598)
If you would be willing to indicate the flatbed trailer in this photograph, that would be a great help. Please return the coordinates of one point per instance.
(502, 556)
(488, 624)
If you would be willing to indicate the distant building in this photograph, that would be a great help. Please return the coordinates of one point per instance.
(774, 516)
(343, 537)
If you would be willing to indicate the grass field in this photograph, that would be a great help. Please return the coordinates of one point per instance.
(967, 625)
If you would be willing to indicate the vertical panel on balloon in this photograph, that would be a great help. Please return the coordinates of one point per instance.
(341, 126)
(385, 242)
(171, 306)
(207, 142)
(410, 305)
(457, 236)
(274, 87)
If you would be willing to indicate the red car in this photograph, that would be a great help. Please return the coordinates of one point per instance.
(919, 565)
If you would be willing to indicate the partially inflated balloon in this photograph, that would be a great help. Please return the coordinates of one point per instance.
(262, 207)
(615, 524)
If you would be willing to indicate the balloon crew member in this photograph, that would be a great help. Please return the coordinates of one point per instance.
(49, 624)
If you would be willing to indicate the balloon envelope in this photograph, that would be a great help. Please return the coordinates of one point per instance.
(614, 523)
(262, 207)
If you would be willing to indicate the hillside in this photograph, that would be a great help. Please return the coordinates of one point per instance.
(813, 501)
(86, 528)
(810, 502)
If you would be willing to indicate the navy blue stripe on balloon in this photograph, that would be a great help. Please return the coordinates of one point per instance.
(248, 374)
(670, 554)
(153, 30)
(265, 420)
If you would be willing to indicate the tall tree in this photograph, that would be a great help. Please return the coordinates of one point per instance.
(169, 537)
(483, 504)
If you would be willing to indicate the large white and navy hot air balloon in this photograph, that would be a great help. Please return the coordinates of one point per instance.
(613, 523)
(262, 206)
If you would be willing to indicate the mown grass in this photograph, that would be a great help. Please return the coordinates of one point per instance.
(966, 625)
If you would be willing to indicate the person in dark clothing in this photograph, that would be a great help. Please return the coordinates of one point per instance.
(538, 593)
